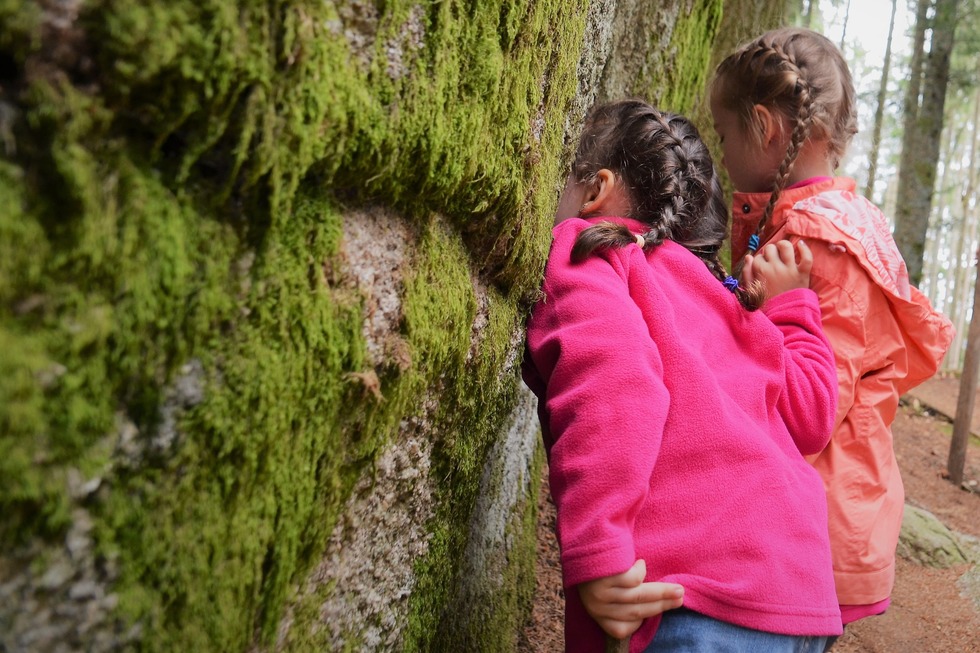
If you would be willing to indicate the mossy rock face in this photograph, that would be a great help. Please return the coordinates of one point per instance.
(263, 274)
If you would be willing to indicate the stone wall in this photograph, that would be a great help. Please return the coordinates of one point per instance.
(263, 274)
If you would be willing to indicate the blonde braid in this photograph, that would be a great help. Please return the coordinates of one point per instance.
(797, 73)
(801, 130)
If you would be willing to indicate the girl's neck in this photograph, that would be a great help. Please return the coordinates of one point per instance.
(808, 181)
(812, 161)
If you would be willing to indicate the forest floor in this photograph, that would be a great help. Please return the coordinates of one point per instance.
(928, 613)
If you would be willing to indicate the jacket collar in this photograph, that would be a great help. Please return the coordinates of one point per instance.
(747, 210)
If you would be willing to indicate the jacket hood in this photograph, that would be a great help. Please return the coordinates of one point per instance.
(832, 212)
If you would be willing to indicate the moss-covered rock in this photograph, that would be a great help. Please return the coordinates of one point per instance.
(263, 271)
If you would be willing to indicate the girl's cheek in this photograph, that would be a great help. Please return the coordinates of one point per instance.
(570, 202)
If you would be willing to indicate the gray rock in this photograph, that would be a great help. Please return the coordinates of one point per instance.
(969, 584)
(926, 540)
(57, 575)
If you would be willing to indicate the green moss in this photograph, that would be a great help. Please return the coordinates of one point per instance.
(491, 617)
(691, 45)
(182, 200)
(507, 613)
(250, 85)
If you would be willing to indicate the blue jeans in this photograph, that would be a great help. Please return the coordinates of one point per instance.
(686, 631)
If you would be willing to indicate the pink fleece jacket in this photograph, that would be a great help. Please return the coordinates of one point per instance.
(674, 422)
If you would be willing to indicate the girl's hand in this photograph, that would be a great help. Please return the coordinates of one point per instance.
(620, 603)
(776, 266)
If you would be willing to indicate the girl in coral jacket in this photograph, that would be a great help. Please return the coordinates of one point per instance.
(783, 106)
(674, 415)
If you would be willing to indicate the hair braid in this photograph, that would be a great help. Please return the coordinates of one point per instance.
(796, 73)
(751, 298)
(801, 131)
(803, 119)
(671, 182)
(684, 184)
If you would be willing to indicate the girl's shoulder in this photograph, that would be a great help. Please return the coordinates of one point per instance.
(851, 224)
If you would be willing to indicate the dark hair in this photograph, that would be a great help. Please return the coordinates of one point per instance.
(799, 74)
(670, 180)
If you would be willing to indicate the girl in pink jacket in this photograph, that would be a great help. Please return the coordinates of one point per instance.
(783, 106)
(674, 416)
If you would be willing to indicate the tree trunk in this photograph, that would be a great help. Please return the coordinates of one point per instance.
(956, 268)
(968, 380)
(812, 8)
(920, 152)
(956, 462)
(932, 280)
(847, 17)
(915, 66)
(869, 188)
(966, 236)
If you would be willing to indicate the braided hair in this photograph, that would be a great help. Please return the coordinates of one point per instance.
(671, 182)
(799, 74)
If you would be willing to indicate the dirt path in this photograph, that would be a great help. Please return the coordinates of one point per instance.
(928, 613)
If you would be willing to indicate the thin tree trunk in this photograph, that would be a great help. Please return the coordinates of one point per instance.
(958, 268)
(931, 281)
(812, 7)
(847, 17)
(914, 87)
(956, 462)
(935, 273)
(965, 279)
(966, 236)
(917, 175)
(869, 188)
(968, 380)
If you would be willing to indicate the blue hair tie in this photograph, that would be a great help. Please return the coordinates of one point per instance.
(753, 242)
(731, 283)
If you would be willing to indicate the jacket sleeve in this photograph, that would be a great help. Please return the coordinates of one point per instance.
(808, 405)
(605, 406)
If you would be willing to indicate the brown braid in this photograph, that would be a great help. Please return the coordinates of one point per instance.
(604, 235)
(670, 180)
(751, 298)
(801, 130)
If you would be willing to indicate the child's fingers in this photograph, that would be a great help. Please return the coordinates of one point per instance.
(619, 629)
(611, 589)
(654, 592)
(786, 253)
(806, 257)
(769, 252)
(621, 602)
(634, 576)
(646, 600)
(647, 593)
(655, 598)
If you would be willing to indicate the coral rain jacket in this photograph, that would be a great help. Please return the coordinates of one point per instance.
(674, 421)
(887, 339)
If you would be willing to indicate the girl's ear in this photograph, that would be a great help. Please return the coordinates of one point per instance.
(770, 125)
(604, 195)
